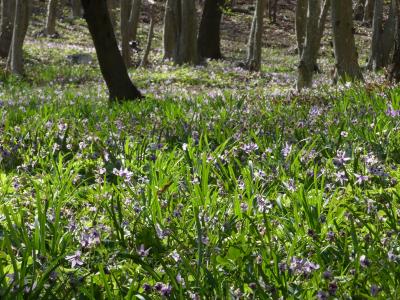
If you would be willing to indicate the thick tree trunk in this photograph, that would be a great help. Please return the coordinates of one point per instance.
(254, 50)
(382, 36)
(7, 25)
(186, 51)
(311, 46)
(389, 34)
(343, 41)
(110, 60)
(301, 24)
(21, 21)
(145, 59)
(368, 11)
(171, 27)
(394, 70)
(209, 41)
(76, 9)
(51, 17)
(125, 11)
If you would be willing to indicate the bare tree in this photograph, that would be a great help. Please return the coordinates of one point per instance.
(301, 23)
(76, 8)
(51, 17)
(253, 62)
(21, 21)
(145, 59)
(394, 70)
(346, 55)
(209, 40)
(6, 27)
(171, 27)
(110, 60)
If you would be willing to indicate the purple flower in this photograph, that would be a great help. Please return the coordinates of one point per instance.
(341, 158)
(374, 290)
(360, 179)
(364, 261)
(248, 148)
(124, 173)
(142, 251)
(341, 177)
(75, 259)
(286, 150)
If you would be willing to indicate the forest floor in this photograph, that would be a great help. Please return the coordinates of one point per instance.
(220, 184)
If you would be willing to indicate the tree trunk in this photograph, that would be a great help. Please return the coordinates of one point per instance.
(209, 41)
(111, 11)
(21, 21)
(186, 51)
(51, 17)
(368, 11)
(134, 18)
(145, 59)
(301, 22)
(311, 46)
(76, 9)
(125, 11)
(7, 25)
(110, 60)
(171, 27)
(375, 59)
(359, 10)
(394, 70)
(389, 34)
(254, 50)
(346, 56)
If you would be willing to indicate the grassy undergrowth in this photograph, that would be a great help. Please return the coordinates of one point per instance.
(212, 196)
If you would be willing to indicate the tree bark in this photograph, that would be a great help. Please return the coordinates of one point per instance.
(51, 17)
(171, 27)
(368, 11)
(301, 24)
(389, 34)
(359, 10)
(346, 56)
(76, 9)
(7, 25)
(125, 11)
(375, 59)
(145, 59)
(134, 18)
(21, 21)
(110, 60)
(394, 70)
(209, 40)
(311, 46)
(186, 51)
(253, 62)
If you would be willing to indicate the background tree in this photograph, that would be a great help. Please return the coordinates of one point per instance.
(110, 60)
(145, 59)
(171, 27)
(209, 40)
(301, 23)
(76, 8)
(394, 70)
(134, 18)
(346, 56)
(124, 27)
(253, 62)
(51, 17)
(368, 11)
(6, 27)
(21, 21)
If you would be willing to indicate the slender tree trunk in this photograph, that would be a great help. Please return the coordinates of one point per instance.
(21, 21)
(301, 22)
(76, 9)
(310, 51)
(368, 11)
(359, 10)
(171, 27)
(145, 59)
(7, 25)
(125, 11)
(110, 60)
(186, 51)
(134, 18)
(254, 50)
(209, 40)
(375, 59)
(51, 17)
(394, 70)
(343, 41)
